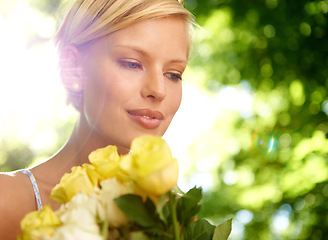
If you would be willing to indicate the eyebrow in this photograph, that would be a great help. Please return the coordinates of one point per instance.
(136, 49)
(145, 54)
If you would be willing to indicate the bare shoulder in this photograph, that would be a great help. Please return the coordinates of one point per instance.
(8, 182)
(14, 203)
(7, 178)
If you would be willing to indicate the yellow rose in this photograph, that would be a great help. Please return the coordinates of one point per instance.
(38, 224)
(106, 161)
(83, 178)
(151, 165)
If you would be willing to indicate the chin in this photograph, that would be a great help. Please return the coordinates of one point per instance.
(123, 144)
(142, 133)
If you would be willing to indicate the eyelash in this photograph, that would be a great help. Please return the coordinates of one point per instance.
(174, 76)
(130, 65)
(134, 65)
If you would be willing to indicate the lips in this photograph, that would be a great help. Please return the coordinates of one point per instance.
(146, 118)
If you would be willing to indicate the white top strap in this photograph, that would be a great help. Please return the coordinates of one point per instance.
(35, 187)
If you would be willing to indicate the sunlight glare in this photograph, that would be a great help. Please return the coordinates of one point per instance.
(272, 144)
(29, 82)
(244, 216)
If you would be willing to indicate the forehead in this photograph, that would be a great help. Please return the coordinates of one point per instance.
(163, 35)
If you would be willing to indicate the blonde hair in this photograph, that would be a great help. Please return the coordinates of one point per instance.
(88, 20)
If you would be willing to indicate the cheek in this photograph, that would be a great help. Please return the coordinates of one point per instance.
(101, 81)
(107, 91)
(98, 90)
(175, 98)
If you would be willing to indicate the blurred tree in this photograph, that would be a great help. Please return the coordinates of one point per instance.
(14, 155)
(272, 161)
(15, 152)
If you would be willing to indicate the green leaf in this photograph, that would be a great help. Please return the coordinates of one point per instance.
(223, 231)
(167, 213)
(136, 210)
(188, 205)
(153, 231)
(138, 236)
(194, 194)
(160, 208)
(176, 190)
(199, 230)
(151, 208)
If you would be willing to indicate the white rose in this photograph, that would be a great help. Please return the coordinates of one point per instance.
(79, 219)
(70, 232)
(111, 189)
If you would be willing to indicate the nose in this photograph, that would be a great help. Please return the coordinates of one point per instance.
(154, 86)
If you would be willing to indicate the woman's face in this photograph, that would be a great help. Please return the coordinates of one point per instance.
(132, 82)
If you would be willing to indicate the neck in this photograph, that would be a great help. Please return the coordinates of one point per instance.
(84, 139)
(75, 152)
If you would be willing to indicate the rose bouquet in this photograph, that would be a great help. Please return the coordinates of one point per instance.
(133, 196)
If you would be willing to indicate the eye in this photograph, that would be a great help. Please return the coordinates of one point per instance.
(130, 64)
(174, 76)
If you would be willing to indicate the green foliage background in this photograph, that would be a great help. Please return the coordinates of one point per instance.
(271, 161)
(279, 163)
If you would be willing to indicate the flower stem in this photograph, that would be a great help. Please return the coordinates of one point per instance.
(104, 230)
(173, 206)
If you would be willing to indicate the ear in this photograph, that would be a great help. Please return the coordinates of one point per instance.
(71, 74)
(70, 68)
